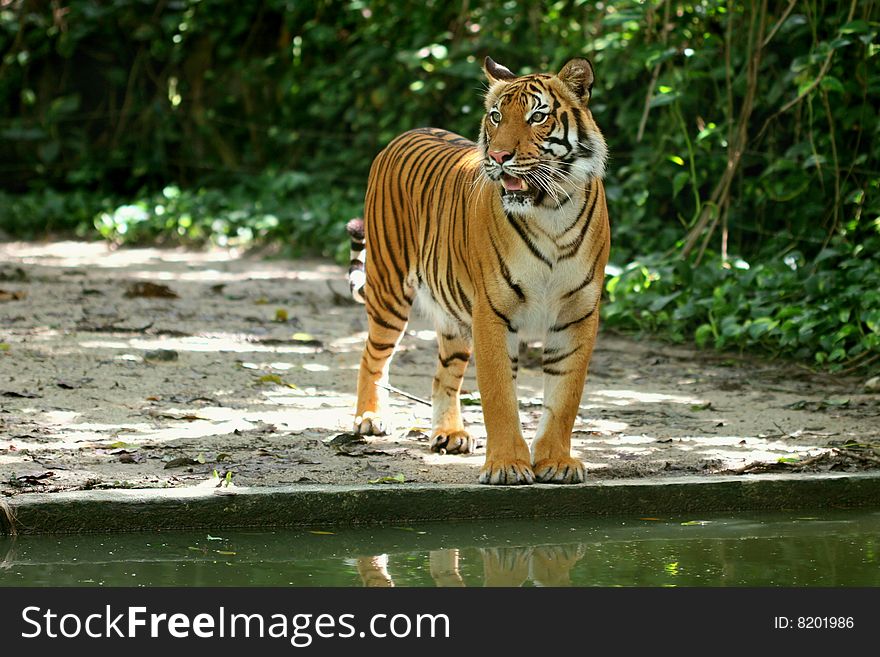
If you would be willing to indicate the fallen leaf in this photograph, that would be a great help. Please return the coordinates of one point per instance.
(120, 444)
(16, 295)
(25, 394)
(277, 380)
(180, 462)
(471, 399)
(33, 480)
(320, 533)
(17, 274)
(417, 434)
(396, 479)
(160, 355)
(280, 315)
(150, 290)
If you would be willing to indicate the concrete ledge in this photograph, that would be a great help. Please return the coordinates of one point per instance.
(288, 506)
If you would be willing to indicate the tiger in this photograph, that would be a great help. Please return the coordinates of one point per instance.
(501, 241)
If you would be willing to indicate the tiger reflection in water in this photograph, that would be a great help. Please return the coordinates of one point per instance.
(543, 565)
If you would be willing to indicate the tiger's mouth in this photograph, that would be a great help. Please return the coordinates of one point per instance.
(515, 187)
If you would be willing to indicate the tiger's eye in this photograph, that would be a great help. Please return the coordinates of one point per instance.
(537, 117)
(495, 117)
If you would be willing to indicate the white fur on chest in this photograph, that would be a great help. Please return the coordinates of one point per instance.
(544, 289)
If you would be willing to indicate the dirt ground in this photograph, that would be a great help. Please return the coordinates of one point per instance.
(248, 374)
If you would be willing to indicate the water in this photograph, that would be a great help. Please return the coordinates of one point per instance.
(791, 549)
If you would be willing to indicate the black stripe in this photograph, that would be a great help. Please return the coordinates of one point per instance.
(381, 322)
(501, 315)
(587, 280)
(554, 359)
(561, 327)
(505, 272)
(528, 242)
(468, 308)
(458, 355)
(580, 213)
(570, 249)
(380, 346)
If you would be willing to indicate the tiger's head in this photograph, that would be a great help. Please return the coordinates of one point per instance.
(538, 138)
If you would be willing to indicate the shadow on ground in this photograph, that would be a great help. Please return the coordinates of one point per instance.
(154, 368)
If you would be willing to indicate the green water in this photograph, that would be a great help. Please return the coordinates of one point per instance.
(793, 549)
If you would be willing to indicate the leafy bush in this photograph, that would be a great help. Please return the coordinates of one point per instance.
(287, 207)
(825, 311)
(738, 132)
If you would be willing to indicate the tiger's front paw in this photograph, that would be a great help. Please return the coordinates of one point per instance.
(506, 472)
(565, 470)
(453, 442)
(371, 424)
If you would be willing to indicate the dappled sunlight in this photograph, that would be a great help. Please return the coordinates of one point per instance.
(246, 392)
(599, 425)
(219, 342)
(77, 254)
(626, 397)
(474, 461)
(254, 273)
(60, 417)
(350, 342)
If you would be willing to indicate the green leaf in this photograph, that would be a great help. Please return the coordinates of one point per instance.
(662, 99)
(703, 334)
(856, 27)
(396, 479)
(661, 302)
(679, 180)
(831, 83)
(471, 399)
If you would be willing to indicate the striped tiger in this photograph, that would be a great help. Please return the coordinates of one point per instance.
(501, 241)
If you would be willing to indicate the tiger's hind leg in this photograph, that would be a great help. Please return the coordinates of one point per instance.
(387, 322)
(448, 432)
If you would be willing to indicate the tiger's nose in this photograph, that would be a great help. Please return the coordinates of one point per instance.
(500, 156)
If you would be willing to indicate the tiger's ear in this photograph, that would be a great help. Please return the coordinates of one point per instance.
(577, 75)
(495, 72)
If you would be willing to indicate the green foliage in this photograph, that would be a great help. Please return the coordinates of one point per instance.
(825, 311)
(286, 207)
(737, 131)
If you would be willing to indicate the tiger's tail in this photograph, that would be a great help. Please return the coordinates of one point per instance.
(357, 276)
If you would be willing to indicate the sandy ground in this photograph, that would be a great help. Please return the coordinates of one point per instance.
(258, 381)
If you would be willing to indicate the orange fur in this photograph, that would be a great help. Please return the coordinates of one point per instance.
(503, 240)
